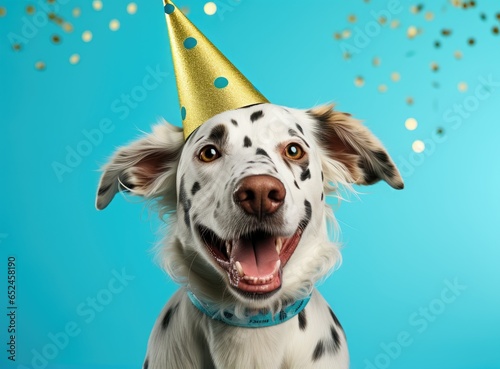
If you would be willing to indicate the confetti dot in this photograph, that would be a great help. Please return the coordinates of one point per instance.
(3, 11)
(376, 61)
(415, 9)
(437, 44)
(40, 65)
(412, 32)
(382, 20)
(409, 100)
(76, 12)
(114, 25)
(411, 124)
(132, 8)
(495, 30)
(210, 8)
(446, 32)
(74, 59)
(67, 27)
(471, 41)
(352, 18)
(346, 33)
(458, 54)
(440, 131)
(359, 81)
(16, 47)
(382, 88)
(346, 55)
(395, 76)
(498, 16)
(190, 42)
(429, 16)
(435, 84)
(418, 146)
(185, 10)
(97, 5)
(30, 9)
(87, 36)
(434, 66)
(221, 82)
(56, 39)
(395, 23)
(183, 113)
(482, 16)
(462, 87)
(337, 36)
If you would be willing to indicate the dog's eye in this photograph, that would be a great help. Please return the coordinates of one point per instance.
(294, 151)
(209, 153)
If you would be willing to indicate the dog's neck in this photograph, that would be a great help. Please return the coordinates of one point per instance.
(256, 319)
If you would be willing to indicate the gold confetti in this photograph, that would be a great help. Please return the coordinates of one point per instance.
(411, 124)
(446, 32)
(429, 16)
(97, 5)
(55, 39)
(359, 81)
(412, 32)
(30, 9)
(462, 87)
(51, 1)
(395, 76)
(346, 33)
(434, 66)
(382, 20)
(409, 100)
(132, 8)
(185, 10)
(114, 25)
(40, 65)
(495, 30)
(347, 55)
(76, 12)
(337, 36)
(3, 11)
(87, 36)
(395, 23)
(415, 9)
(457, 3)
(16, 47)
(210, 8)
(376, 61)
(458, 54)
(382, 88)
(498, 16)
(74, 59)
(418, 146)
(56, 19)
(352, 18)
(67, 27)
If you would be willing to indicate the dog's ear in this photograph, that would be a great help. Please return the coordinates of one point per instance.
(146, 167)
(347, 141)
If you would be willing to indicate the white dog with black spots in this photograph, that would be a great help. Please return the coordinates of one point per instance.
(248, 232)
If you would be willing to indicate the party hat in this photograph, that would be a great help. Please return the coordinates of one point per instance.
(207, 82)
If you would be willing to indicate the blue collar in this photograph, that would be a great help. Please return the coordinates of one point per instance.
(259, 320)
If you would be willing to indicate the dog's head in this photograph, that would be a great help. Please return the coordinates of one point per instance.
(249, 188)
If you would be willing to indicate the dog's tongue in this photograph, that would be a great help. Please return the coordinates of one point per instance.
(257, 256)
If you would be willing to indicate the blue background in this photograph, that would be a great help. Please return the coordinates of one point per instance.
(401, 248)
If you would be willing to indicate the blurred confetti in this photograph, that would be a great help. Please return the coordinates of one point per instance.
(210, 8)
(87, 36)
(114, 25)
(132, 8)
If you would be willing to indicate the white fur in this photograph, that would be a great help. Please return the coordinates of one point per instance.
(149, 167)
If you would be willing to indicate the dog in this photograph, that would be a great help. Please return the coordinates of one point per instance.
(248, 232)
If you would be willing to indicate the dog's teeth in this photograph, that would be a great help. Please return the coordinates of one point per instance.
(277, 266)
(229, 248)
(279, 244)
(239, 269)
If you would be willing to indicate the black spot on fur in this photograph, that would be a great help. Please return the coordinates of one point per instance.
(306, 174)
(256, 115)
(296, 184)
(247, 142)
(218, 135)
(335, 338)
(322, 176)
(146, 364)
(103, 189)
(335, 320)
(322, 196)
(196, 187)
(167, 317)
(292, 132)
(200, 138)
(308, 207)
(260, 151)
(228, 315)
(319, 351)
(235, 123)
(299, 128)
(186, 203)
(302, 320)
(381, 156)
(218, 204)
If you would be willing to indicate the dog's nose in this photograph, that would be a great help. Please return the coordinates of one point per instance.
(260, 195)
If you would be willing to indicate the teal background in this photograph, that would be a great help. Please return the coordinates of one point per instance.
(402, 249)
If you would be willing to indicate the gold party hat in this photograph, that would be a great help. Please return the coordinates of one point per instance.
(207, 82)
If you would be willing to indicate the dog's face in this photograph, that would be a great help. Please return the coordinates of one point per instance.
(249, 191)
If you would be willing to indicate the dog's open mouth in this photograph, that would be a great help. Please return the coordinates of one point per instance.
(254, 263)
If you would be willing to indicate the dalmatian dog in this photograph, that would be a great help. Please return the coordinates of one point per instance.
(248, 232)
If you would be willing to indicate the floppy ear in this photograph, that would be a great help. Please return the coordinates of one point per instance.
(347, 141)
(146, 167)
